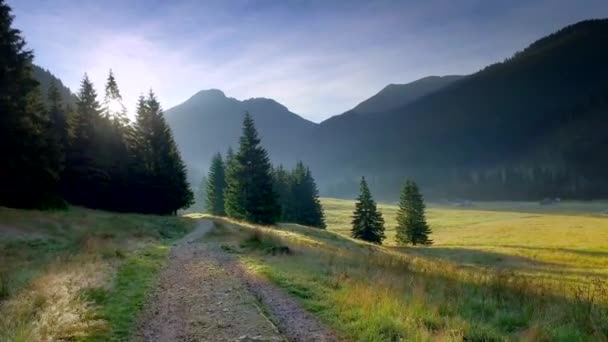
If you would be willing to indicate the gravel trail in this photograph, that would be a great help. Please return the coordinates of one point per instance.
(203, 294)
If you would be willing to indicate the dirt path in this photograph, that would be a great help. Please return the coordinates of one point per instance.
(205, 295)
(197, 300)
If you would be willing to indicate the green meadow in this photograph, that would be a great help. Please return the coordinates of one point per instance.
(501, 271)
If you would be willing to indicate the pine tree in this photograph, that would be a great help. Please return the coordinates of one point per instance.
(305, 207)
(201, 196)
(368, 224)
(113, 106)
(216, 186)
(282, 182)
(411, 221)
(249, 194)
(58, 123)
(167, 166)
(29, 173)
(315, 216)
(86, 177)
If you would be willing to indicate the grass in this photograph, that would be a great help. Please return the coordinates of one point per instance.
(78, 274)
(492, 275)
(571, 244)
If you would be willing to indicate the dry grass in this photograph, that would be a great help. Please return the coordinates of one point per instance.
(567, 242)
(382, 293)
(49, 261)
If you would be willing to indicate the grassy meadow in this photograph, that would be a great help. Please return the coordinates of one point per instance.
(78, 274)
(493, 274)
(565, 241)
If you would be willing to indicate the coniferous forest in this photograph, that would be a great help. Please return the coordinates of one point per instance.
(245, 186)
(88, 154)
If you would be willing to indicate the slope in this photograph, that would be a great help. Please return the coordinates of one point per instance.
(501, 120)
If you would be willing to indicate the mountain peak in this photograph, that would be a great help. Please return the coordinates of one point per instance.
(212, 93)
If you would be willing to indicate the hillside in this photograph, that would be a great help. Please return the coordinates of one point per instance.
(499, 132)
(45, 77)
(210, 122)
(396, 95)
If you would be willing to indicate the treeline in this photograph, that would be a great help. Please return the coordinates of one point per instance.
(89, 154)
(245, 186)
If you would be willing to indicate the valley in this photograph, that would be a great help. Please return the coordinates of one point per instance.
(441, 175)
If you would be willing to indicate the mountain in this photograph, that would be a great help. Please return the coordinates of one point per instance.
(529, 127)
(210, 122)
(397, 95)
(45, 77)
(525, 120)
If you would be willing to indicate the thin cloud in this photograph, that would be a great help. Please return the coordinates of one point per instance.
(318, 58)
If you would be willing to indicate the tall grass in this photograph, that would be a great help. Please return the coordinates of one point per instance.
(53, 263)
(375, 293)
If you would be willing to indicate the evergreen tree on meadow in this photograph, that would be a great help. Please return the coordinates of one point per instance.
(368, 224)
(282, 182)
(249, 194)
(306, 207)
(411, 221)
(30, 168)
(216, 185)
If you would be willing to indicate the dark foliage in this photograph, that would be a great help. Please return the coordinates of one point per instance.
(299, 196)
(368, 224)
(249, 194)
(30, 170)
(216, 186)
(411, 220)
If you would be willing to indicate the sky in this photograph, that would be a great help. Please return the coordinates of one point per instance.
(318, 58)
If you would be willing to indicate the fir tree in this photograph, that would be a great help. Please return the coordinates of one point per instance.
(411, 221)
(58, 123)
(201, 195)
(168, 169)
(29, 173)
(216, 185)
(368, 224)
(249, 194)
(282, 182)
(305, 205)
(85, 177)
(112, 102)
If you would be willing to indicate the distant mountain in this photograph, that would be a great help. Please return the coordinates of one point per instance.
(210, 122)
(526, 120)
(397, 95)
(529, 127)
(45, 77)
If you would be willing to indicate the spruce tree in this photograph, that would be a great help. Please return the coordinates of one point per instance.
(168, 168)
(368, 224)
(29, 172)
(282, 182)
(200, 196)
(86, 177)
(249, 194)
(305, 205)
(114, 108)
(58, 123)
(411, 221)
(216, 185)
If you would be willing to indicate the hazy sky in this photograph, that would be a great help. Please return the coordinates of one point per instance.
(318, 57)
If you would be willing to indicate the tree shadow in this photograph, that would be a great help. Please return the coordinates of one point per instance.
(475, 258)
